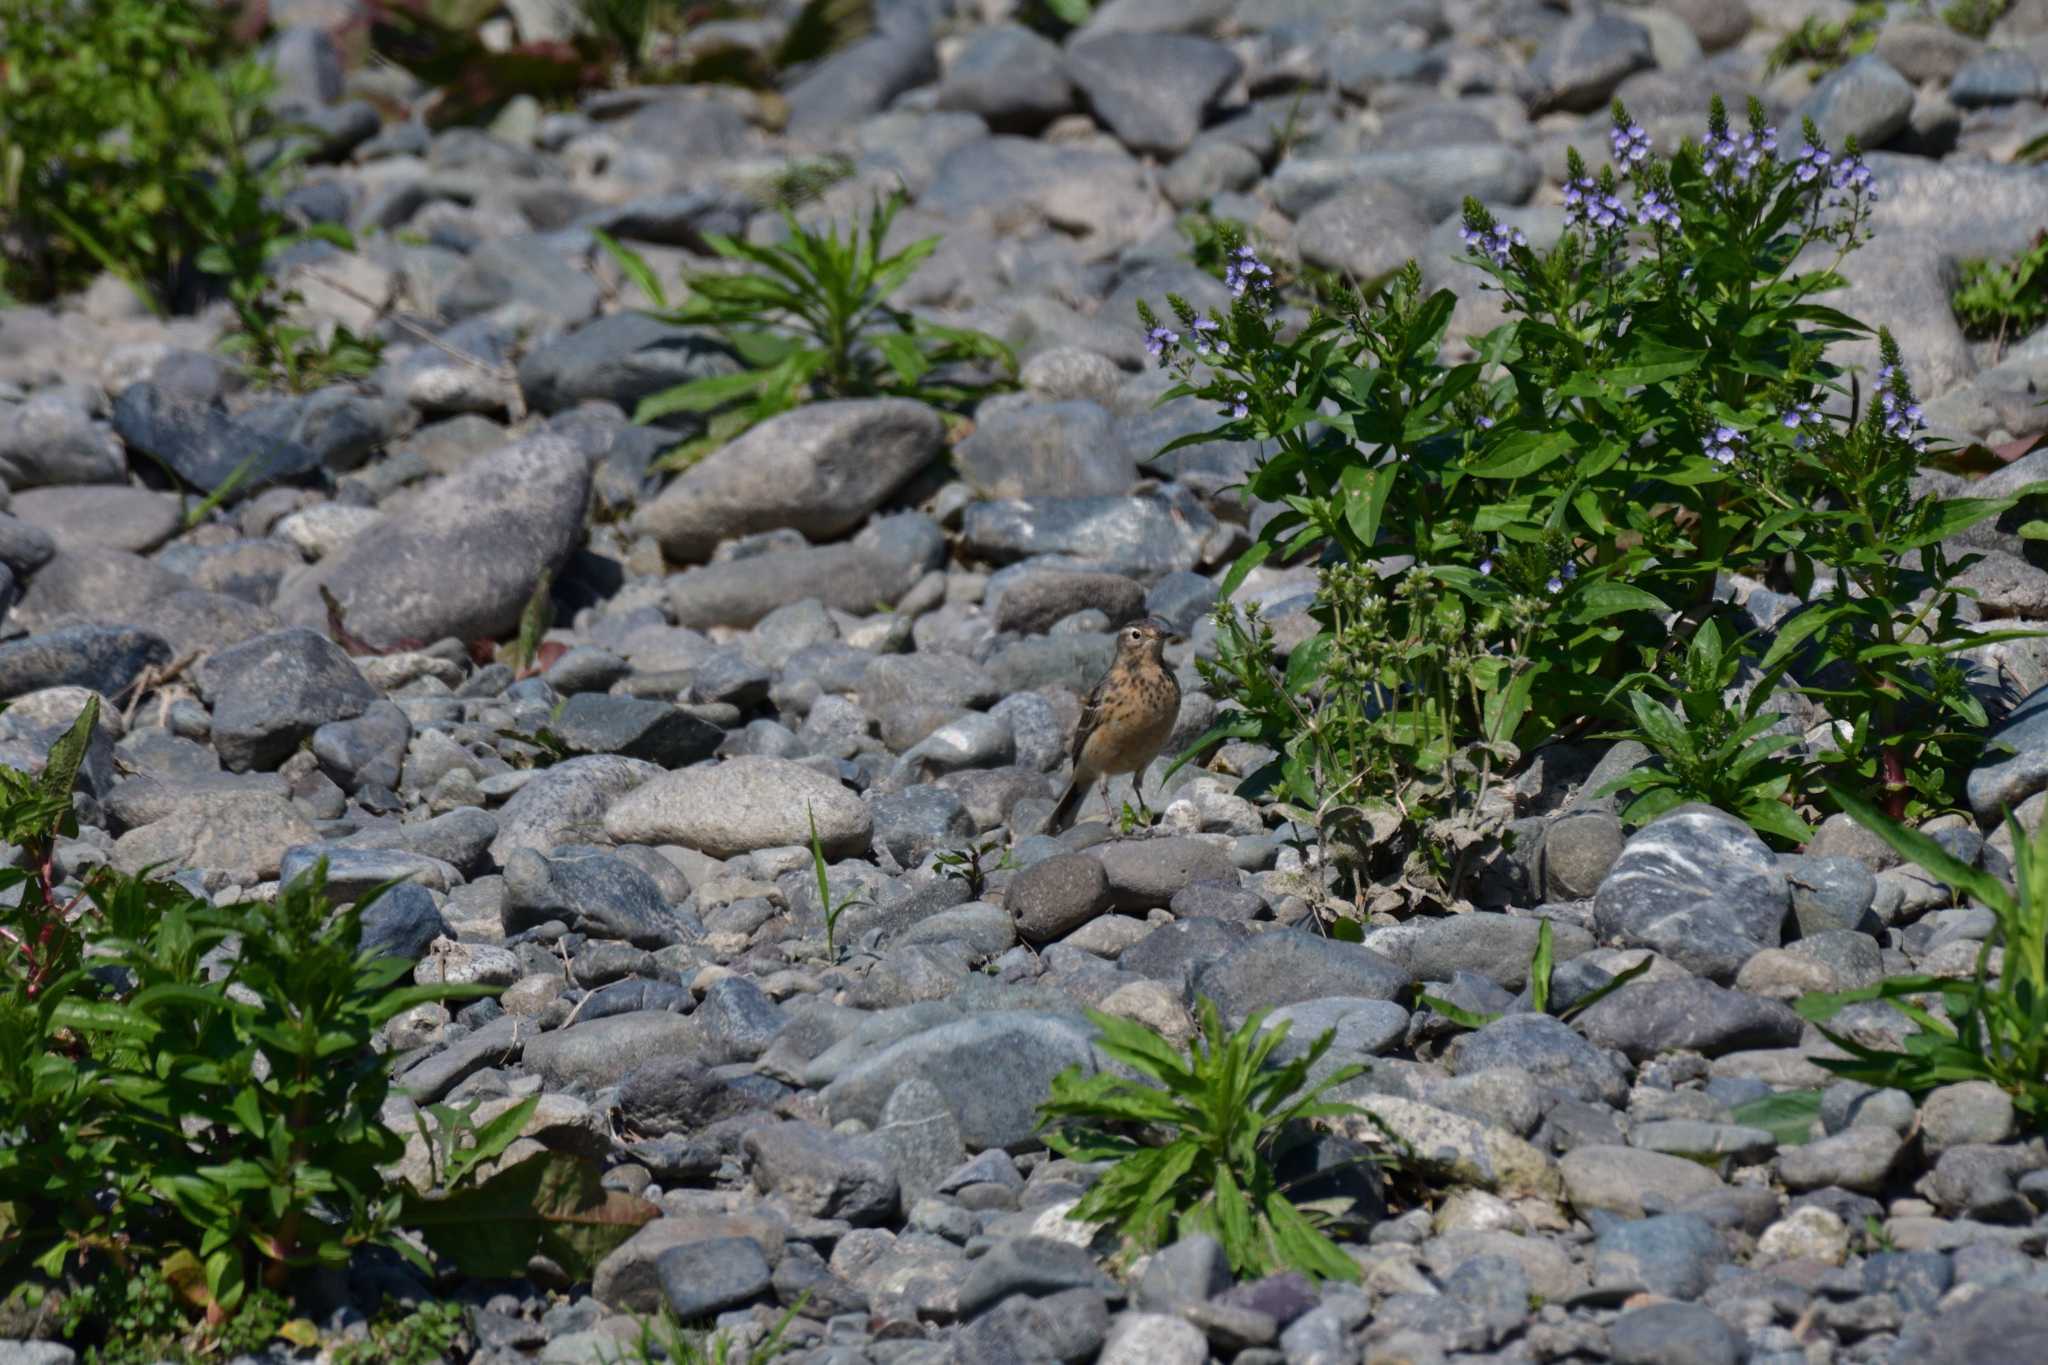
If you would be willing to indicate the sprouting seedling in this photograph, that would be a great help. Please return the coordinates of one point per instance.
(832, 911)
(1541, 963)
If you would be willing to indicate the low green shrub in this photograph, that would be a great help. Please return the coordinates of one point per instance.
(2001, 299)
(1193, 1143)
(1663, 409)
(191, 1092)
(811, 319)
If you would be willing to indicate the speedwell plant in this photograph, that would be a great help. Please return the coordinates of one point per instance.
(1664, 407)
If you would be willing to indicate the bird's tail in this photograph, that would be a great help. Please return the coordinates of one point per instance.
(1063, 813)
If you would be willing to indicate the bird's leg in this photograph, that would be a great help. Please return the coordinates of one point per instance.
(1138, 787)
(1107, 813)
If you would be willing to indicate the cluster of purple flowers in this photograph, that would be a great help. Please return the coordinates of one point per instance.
(1497, 243)
(1160, 340)
(1904, 419)
(1811, 164)
(1656, 209)
(1585, 203)
(1237, 404)
(1562, 577)
(1205, 344)
(1630, 144)
(1723, 445)
(1739, 157)
(1798, 415)
(1245, 271)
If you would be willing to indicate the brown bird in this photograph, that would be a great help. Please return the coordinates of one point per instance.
(1125, 719)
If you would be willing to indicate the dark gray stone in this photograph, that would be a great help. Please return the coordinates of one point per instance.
(1037, 1266)
(52, 439)
(882, 563)
(634, 727)
(106, 659)
(739, 1018)
(1067, 1328)
(913, 822)
(1671, 1254)
(1578, 852)
(2000, 76)
(534, 269)
(270, 693)
(403, 922)
(1171, 951)
(1147, 873)
(596, 894)
(1672, 1334)
(204, 445)
(679, 219)
(1142, 537)
(366, 750)
(1499, 947)
(1644, 1018)
(1864, 98)
(1024, 450)
(700, 1279)
(1013, 78)
(1582, 63)
(1547, 1050)
(1051, 899)
(1829, 893)
(682, 1095)
(861, 80)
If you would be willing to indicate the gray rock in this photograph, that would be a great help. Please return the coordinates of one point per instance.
(820, 1174)
(1497, 946)
(1013, 78)
(205, 445)
(1051, 899)
(1716, 23)
(2000, 76)
(1623, 1180)
(1699, 887)
(1673, 1334)
(1193, 1269)
(1546, 1049)
(533, 269)
(1580, 65)
(1670, 1254)
(819, 469)
(1999, 1324)
(595, 894)
(270, 693)
(403, 922)
(1966, 1112)
(1151, 89)
(1829, 893)
(1999, 783)
(593, 1053)
(861, 80)
(200, 623)
(1864, 98)
(1154, 1339)
(882, 563)
(619, 358)
(682, 219)
(1171, 951)
(635, 727)
(1285, 966)
(1142, 537)
(241, 834)
(739, 1019)
(1439, 178)
(565, 803)
(913, 822)
(993, 1069)
(1855, 1159)
(365, 750)
(1035, 1266)
(24, 547)
(462, 558)
(353, 872)
(1579, 851)
(1647, 1017)
(1068, 1328)
(911, 693)
(682, 1095)
(1367, 232)
(87, 516)
(106, 659)
(461, 838)
(1220, 900)
(1026, 449)
(1031, 603)
(1147, 873)
(700, 1279)
(51, 439)
(736, 806)
(1917, 1279)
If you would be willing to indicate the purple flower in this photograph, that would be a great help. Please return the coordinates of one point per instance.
(1497, 243)
(1811, 163)
(1555, 585)
(1654, 210)
(1245, 271)
(1159, 341)
(1483, 423)
(1237, 405)
(1723, 445)
(1630, 144)
(1486, 566)
(1204, 343)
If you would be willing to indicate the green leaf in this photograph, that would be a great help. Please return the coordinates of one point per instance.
(1600, 600)
(1458, 1014)
(1366, 489)
(1540, 967)
(60, 771)
(1917, 848)
(1788, 1115)
(1595, 996)
(1520, 453)
(633, 266)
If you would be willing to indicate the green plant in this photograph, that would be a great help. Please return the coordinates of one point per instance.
(1660, 410)
(1709, 751)
(812, 318)
(141, 1319)
(1192, 1144)
(534, 620)
(1542, 963)
(663, 1338)
(423, 1335)
(973, 863)
(1990, 1026)
(105, 125)
(190, 1091)
(1974, 18)
(1999, 299)
(1828, 42)
(833, 909)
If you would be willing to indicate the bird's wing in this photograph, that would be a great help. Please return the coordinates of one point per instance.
(1091, 713)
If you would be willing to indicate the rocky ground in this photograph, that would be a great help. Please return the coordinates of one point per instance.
(837, 616)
